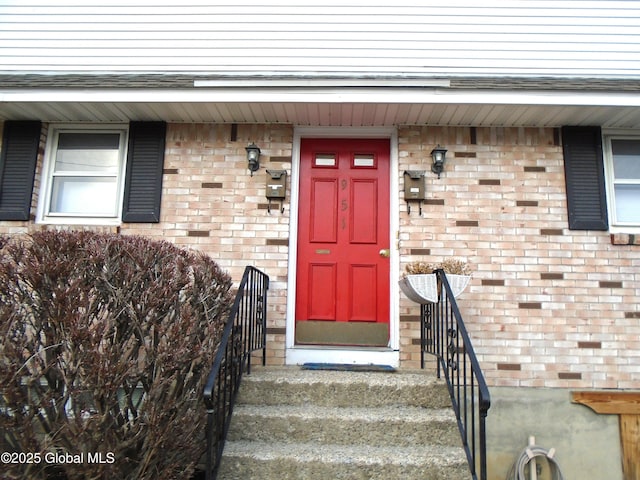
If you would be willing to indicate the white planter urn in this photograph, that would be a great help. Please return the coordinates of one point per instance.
(423, 288)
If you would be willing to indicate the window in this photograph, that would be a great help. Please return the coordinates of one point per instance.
(84, 176)
(623, 180)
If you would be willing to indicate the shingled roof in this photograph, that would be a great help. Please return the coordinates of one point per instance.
(186, 81)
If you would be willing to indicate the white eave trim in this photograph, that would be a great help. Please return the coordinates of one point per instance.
(392, 95)
(312, 82)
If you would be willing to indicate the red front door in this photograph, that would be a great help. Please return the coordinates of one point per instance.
(342, 291)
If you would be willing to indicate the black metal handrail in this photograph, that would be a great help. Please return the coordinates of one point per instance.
(444, 335)
(244, 333)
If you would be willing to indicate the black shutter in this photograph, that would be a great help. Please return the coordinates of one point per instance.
(143, 181)
(20, 141)
(584, 175)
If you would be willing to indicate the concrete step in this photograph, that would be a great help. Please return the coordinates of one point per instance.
(391, 425)
(283, 461)
(294, 386)
(290, 423)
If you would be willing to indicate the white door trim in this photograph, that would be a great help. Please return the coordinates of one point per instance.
(298, 355)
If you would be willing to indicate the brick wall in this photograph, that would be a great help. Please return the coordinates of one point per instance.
(546, 306)
(211, 202)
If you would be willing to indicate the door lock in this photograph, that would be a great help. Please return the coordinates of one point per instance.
(385, 253)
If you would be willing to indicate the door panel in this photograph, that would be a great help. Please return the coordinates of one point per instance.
(322, 300)
(363, 288)
(324, 214)
(342, 289)
(364, 211)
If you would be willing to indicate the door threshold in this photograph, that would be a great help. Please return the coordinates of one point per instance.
(344, 355)
(351, 348)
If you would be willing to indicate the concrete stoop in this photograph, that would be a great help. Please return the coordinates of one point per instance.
(290, 423)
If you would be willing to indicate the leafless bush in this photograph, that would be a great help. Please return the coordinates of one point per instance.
(105, 342)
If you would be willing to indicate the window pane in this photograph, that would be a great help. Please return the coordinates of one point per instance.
(88, 152)
(627, 202)
(86, 141)
(84, 195)
(626, 159)
(98, 161)
(364, 160)
(325, 160)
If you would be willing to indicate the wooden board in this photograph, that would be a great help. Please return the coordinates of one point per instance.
(627, 406)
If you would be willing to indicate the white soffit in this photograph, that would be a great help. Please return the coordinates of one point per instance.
(318, 95)
(316, 81)
(343, 106)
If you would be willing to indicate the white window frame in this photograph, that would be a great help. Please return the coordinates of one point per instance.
(44, 201)
(616, 226)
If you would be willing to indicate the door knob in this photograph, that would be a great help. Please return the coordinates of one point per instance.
(385, 253)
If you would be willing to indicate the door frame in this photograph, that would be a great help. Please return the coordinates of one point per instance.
(296, 355)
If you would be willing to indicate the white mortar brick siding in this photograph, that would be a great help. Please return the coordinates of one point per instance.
(547, 306)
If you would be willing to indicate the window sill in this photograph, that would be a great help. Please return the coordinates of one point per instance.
(75, 221)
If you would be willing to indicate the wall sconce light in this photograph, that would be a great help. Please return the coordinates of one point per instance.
(438, 155)
(253, 157)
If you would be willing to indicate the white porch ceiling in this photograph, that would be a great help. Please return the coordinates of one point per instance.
(344, 107)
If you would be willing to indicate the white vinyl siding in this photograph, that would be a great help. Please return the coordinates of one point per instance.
(536, 38)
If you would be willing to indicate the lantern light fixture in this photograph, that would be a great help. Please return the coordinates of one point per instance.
(253, 157)
(438, 156)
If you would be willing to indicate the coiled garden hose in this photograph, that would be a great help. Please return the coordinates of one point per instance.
(528, 454)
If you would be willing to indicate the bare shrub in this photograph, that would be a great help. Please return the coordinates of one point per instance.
(105, 343)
